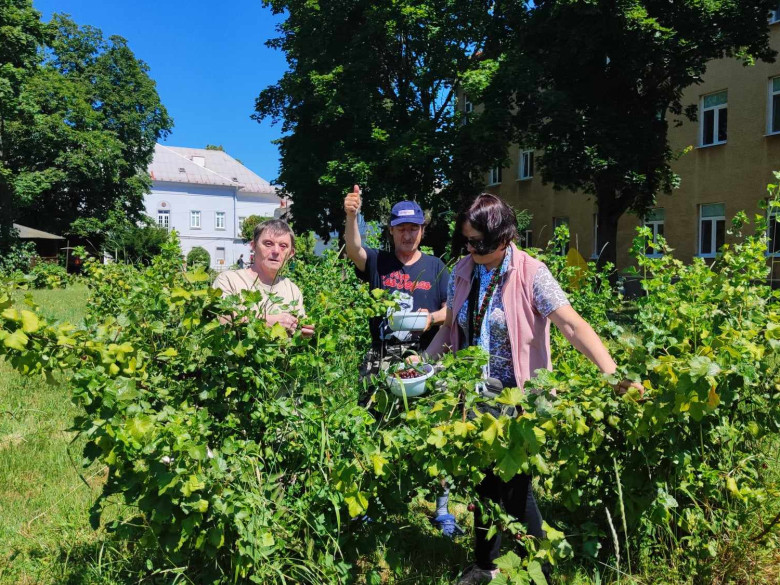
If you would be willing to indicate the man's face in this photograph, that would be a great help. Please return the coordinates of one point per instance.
(271, 251)
(406, 237)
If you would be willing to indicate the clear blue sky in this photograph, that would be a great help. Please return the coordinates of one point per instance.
(209, 61)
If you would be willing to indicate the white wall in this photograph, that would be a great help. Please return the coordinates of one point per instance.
(181, 199)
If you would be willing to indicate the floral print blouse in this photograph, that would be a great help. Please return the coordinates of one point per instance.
(494, 335)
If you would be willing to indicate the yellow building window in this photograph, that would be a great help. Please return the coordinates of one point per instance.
(714, 118)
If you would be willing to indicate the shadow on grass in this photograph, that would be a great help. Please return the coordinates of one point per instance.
(404, 549)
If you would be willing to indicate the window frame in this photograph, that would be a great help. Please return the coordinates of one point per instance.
(193, 214)
(524, 160)
(595, 254)
(653, 224)
(774, 14)
(715, 120)
(217, 216)
(713, 234)
(494, 173)
(527, 238)
(770, 109)
(772, 216)
(164, 213)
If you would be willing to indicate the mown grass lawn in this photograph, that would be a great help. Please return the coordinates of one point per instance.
(45, 496)
(44, 527)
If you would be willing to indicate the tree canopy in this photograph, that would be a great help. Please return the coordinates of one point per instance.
(21, 33)
(371, 89)
(608, 79)
(369, 98)
(88, 119)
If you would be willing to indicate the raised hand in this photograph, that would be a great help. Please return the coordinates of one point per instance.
(352, 201)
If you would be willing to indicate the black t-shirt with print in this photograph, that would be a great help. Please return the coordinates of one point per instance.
(422, 285)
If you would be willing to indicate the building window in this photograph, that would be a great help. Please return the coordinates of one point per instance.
(774, 105)
(221, 256)
(164, 218)
(558, 222)
(714, 118)
(526, 167)
(195, 220)
(219, 220)
(773, 232)
(527, 239)
(774, 14)
(712, 228)
(495, 176)
(655, 221)
(468, 107)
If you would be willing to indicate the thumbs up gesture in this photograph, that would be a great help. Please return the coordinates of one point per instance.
(352, 202)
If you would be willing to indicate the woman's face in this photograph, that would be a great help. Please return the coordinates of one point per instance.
(472, 237)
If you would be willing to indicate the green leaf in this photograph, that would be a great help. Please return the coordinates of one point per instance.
(138, 426)
(512, 462)
(509, 562)
(16, 340)
(510, 396)
(379, 463)
(30, 322)
(492, 428)
(357, 504)
(535, 571)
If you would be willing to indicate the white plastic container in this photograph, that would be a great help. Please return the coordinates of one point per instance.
(410, 386)
(408, 320)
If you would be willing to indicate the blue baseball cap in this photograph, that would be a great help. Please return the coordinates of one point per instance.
(406, 212)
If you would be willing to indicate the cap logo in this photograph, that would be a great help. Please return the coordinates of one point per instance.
(405, 212)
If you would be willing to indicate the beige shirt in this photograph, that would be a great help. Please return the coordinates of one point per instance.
(232, 282)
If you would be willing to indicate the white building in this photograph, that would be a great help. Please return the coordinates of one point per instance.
(205, 195)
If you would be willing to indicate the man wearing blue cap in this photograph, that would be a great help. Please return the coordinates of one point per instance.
(417, 281)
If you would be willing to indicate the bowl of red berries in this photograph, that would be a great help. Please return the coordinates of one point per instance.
(409, 379)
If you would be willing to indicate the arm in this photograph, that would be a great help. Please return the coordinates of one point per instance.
(581, 335)
(440, 344)
(354, 246)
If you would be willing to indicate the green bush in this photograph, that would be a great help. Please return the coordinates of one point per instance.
(198, 257)
(249, 225)
(244, 454)
(17, 259)
(47, 275)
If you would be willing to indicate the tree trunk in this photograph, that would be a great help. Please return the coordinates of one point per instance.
(611, 208)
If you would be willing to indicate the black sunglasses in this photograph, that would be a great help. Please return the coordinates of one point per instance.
(483, 247)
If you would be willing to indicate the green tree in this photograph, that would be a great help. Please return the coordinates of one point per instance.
(199, 257)
(249, 224)
(94, 116)
(596, 84)
(21, 33)
(370, 98)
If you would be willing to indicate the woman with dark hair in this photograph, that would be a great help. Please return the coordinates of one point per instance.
(503, 300)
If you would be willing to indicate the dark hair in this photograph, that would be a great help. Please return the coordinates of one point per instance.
(490, 216)
(275, 226)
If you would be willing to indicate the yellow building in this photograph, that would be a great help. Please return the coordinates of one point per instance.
(734, 149)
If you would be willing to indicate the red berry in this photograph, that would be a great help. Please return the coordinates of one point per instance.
(519, 536)
(471, 507)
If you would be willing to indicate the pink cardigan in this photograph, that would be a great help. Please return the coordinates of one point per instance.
(529, 332)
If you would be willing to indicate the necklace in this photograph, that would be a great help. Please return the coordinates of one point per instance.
(486, 300)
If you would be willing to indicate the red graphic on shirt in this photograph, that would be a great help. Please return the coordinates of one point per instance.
(401, 281)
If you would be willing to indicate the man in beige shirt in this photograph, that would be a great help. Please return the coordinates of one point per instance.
(273, 243)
